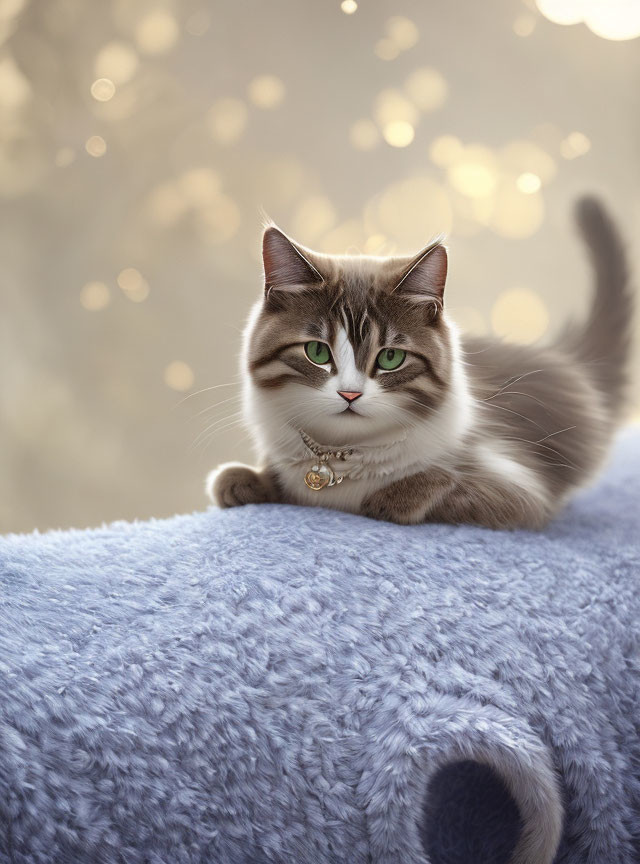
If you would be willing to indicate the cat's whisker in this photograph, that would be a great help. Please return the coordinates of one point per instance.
(217, 405)
(515, 393)
(516, 413)
(559, 432)
(206, 442)
(204, 390)
(510, 382)
(215, 426)
(567, 464)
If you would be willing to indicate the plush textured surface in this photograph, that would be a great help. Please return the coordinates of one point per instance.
(275, 684)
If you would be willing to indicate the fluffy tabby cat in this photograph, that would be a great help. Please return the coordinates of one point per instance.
(351, 363)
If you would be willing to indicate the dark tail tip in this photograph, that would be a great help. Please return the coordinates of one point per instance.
(604, 341)
(591, 216)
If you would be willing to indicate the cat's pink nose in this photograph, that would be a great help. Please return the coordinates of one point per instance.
(349, 395)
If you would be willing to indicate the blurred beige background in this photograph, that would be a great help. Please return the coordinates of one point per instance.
(141, 141)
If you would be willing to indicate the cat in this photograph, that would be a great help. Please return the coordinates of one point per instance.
(362, 396)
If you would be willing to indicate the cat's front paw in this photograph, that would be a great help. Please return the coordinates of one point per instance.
(233, 485)
(380, 505)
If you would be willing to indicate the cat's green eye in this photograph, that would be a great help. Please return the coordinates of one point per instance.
(390, 358)
(317, 352)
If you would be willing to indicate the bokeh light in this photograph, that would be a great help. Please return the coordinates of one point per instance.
(520, 315)
(200, 186)
(475, 173)
(562, 11)
(398, 133)
(427, 88)
(95, 296)
(178, 375)
(611, 19)
(219, 221)
(227, 119)
(521, 156)
(346, 238)
(313, 217)
(445, 150)
(516, 214)
(103, 89)
(116, 61)
(157, 32)
(574, 145)
(266, 91)
(96, 146)
(402, 32)
(133, 285)
(524, 25)
(393, 106)
(376, 244)
(528, 183)
(410, 213)
(386, 49)
(15, 90)
(349, 6)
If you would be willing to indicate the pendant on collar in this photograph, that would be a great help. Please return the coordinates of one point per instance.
(321, 475)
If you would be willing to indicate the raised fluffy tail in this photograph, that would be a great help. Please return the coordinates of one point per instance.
(603, 343)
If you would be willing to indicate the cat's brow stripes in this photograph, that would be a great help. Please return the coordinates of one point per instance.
(303, 371)
(369, 318)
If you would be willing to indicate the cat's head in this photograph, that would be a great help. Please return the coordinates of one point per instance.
(349, 348)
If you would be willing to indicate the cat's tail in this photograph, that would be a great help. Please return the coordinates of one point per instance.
(603, 343)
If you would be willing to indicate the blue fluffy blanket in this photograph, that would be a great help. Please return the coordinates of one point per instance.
(277, 684)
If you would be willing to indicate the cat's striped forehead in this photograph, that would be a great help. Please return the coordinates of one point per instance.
(358, 304)
(356, 312)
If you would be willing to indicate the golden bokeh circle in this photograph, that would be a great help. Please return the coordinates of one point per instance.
(95, 296)
(116, 61)
(313, 217)
(157, 32)
(398, 133)
(266, 91)
(528, 183)
(519, 315)
(514, 214)
(410, 213)
(178, 375)
(445, 150)
(103, 89)
(475, 172)
(427, 88)
(96, 146)
(133, 285)
(227, 119)
(393, 106)
(402, 32)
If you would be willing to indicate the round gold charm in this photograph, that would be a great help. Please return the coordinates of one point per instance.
(319, 476)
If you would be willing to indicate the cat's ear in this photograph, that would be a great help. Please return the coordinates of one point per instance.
(423, 278)
(287, 266)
